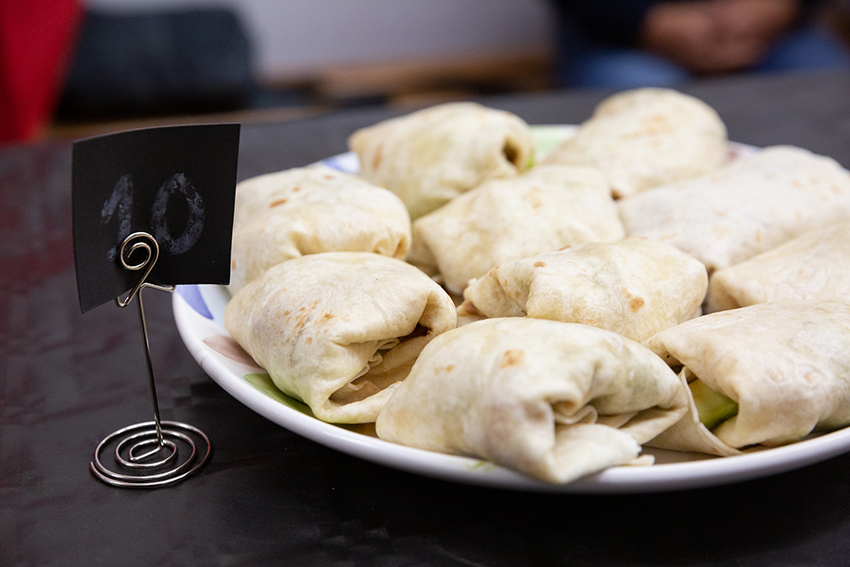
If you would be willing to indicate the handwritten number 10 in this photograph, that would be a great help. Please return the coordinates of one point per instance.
(120, 206)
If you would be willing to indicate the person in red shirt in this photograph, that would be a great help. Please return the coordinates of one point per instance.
(37, 39)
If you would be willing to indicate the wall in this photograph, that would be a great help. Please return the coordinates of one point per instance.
(293, 38)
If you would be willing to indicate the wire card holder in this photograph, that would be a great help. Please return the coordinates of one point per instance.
(155, 453)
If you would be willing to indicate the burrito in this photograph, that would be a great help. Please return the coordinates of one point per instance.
(339, 330)
(634, 287)
(556, 401)
(308, 210)
(647, 137)
(543, 210)
(747, 207)
(763, 375)
(431, 156)
(814, 265)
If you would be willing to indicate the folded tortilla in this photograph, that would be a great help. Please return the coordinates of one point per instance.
(339, 330)
(553, 400)
(747, 207)
(786, 365)
(543, 210)
(814, 265)
(431, 156)
(308, 210)
(647, 137)
(634, 287)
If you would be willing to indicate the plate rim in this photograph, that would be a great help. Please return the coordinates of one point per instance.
(661, 477)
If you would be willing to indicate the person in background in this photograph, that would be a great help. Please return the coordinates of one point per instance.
(633, 43)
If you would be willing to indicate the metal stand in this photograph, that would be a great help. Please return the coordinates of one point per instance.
(147, 452)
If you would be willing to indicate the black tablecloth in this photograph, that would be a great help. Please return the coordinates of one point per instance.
(269, 496)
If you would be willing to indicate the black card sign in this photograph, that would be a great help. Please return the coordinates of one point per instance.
(176, 183)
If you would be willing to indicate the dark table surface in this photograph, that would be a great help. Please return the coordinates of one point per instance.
(269, 496)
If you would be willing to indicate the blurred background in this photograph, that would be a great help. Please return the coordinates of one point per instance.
(71, 68)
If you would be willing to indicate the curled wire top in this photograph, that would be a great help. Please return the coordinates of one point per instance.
(145, 242)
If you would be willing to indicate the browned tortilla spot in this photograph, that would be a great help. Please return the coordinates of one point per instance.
(301, 322)
(636, 303)
(277, 203)
(534, 197)
(657, 120)
(301, 317)
(721, 231)
(376, 159)
(539, 264)
(511, 357)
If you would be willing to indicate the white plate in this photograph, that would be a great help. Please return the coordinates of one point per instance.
(198, 312)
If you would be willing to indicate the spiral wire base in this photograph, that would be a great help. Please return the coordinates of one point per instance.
(159, 466)
(147, 452)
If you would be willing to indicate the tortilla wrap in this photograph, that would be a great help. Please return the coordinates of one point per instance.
(814, 265)
(647, 137)
(785, 364)
(634, 287)
(553, 400)
(543, 210)
(431, 156)
(339, 330)
(308, 210)
(747, 207)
